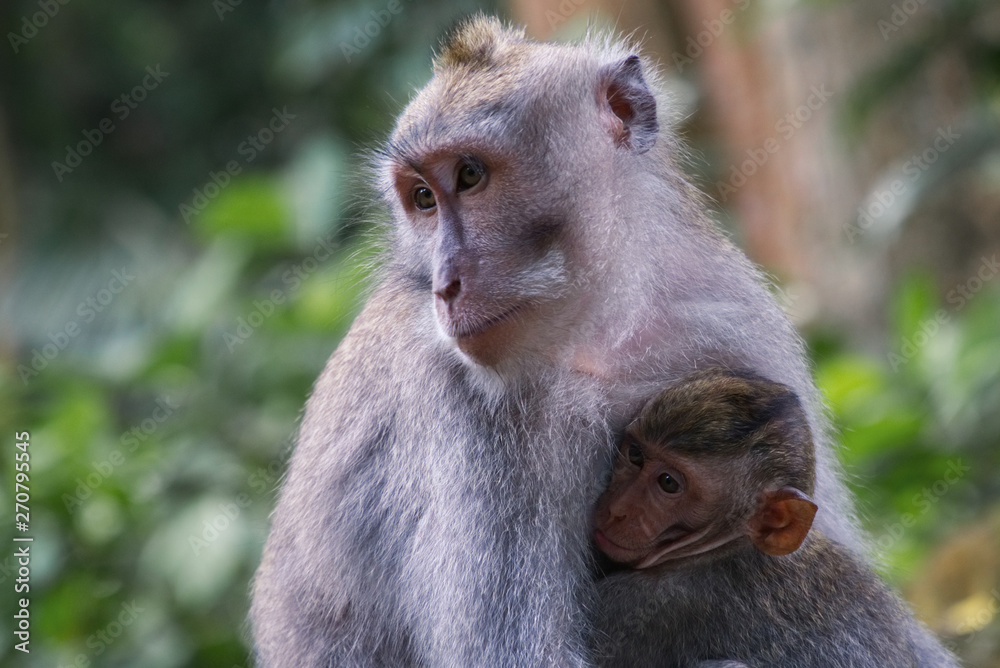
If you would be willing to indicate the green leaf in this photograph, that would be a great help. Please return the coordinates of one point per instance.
(252, 208)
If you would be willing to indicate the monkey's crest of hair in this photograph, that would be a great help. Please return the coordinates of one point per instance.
(475, 43)
(483, 42)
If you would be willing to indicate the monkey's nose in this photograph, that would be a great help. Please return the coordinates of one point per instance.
(450, 290)
(618, 511)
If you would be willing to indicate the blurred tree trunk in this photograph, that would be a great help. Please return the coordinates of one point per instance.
(742, 95)
(542, 18)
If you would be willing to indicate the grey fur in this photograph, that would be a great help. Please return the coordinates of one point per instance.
(819, 607)
(436, 512)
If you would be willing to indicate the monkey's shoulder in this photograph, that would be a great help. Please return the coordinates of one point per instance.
(390, 370)
(390, 354)
(395, 327)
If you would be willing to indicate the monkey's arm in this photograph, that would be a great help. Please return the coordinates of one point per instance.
(325, 588)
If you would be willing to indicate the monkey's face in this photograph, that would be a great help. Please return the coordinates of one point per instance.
(499, 173)
(490, 249)
(662, 506)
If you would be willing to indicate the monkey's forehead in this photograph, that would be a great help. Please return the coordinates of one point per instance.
(505, 103)
(458, 116)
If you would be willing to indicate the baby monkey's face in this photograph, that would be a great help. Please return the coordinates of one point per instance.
(708, 461)
(660, 506)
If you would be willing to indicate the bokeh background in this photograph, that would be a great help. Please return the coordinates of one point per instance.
(185, 226)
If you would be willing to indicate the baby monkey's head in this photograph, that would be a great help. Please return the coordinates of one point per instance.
(718, 457)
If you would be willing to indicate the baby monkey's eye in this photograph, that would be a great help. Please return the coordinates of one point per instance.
(423, 197)
(468, 176)
(634, 454)
(668, 483)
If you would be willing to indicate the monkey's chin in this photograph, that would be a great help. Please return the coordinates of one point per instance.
(488, 344)
(487, 348)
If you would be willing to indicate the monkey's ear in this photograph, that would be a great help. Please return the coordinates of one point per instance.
(627, 106)
(782, 521)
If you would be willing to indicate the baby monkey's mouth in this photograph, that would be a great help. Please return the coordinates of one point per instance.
(634, 555)
(617, 553)
(675, 543)
(683, 543)
(673, 534)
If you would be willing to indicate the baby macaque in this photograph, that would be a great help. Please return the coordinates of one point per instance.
(707, 521)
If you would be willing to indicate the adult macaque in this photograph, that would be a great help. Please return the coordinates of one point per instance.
(548, 268)
(708, 502)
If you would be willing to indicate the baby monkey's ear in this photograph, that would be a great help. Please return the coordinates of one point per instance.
(782, 521)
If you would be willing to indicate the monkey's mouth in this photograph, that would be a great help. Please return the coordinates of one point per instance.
(652, 554)
(461, 329)
(618, 553)
(673, 534)
(684, 544)
(604, 542)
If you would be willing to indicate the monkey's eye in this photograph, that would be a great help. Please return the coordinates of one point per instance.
(668, 483)
(468, 176)
(423, 197)
(634, 454)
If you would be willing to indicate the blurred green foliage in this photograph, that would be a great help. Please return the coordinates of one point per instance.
(919, 425)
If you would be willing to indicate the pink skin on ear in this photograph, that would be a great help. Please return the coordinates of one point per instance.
(627, 105)
(782, 521)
